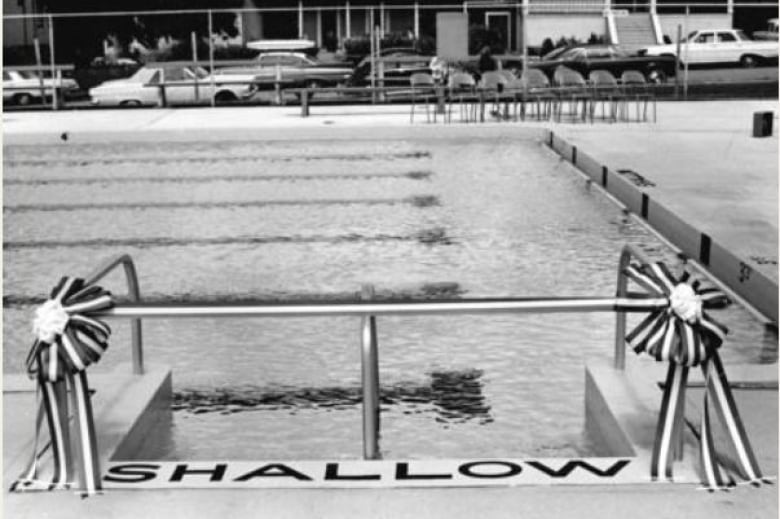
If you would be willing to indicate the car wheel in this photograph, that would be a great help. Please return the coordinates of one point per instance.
(747, 61)
(23, 99)
(130, 102)
(225, 96)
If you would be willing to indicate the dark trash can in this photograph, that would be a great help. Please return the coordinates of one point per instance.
(762, 124)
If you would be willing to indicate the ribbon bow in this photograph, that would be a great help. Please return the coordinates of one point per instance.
(681, 333)
(67, 340)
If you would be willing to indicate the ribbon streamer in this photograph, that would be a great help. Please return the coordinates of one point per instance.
(67, 341)
(683, 334)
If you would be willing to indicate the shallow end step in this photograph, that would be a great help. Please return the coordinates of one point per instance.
(621, 412)
(127, 408)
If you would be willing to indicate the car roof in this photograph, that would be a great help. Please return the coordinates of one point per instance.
(283, 53)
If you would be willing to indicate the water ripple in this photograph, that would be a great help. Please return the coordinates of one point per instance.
(452, 396)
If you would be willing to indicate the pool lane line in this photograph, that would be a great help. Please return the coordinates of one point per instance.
(754, 290)
(212, 159)
(434, 236)
(413, 175)
(421, 201)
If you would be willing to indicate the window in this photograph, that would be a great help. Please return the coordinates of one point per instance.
(6, 76)
(726, 36)
(155, 78)
(269, 61)
(573, 55)
(706, 37)
(599, 53)
(175, 74)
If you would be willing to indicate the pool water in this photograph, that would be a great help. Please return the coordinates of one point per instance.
(231, 220)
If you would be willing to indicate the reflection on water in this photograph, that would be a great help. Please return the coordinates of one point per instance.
(295, 221)
(451, 396)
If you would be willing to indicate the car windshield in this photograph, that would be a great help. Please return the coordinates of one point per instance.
(572, 54)
(554, 54)
(200, 72)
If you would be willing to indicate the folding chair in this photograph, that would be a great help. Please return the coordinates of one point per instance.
(493, 83)
(423, 88)
(636, 87)
(539, 92)
(606, 91)
(462, 88)
(571, 88)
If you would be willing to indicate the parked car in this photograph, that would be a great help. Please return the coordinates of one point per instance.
(585, 58)
(100, 70)
(770, 33)
(398, 66)
(295, 68)
(183, 85)
(718, 46)
(23, 87)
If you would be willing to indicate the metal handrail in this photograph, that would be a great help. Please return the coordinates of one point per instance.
(322, 309)
(629, 251)
(368, 309)
(136, 339)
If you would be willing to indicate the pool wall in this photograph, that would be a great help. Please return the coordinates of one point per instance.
(753, 286)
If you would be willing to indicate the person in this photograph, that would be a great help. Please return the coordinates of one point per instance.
(486, 61)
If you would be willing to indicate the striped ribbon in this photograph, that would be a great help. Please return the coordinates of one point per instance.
(67, 341)
(684, 335)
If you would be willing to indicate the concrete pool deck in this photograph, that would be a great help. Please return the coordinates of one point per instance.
(699, 155)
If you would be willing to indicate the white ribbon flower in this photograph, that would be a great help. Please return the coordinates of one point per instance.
(50, 321)
(685, 303)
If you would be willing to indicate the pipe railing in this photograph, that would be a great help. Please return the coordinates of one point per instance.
(628, 252)
(136, 339)
(368, 309)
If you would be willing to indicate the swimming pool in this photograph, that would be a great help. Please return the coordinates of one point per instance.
(218, 220)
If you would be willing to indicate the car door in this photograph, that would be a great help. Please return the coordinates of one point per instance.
(729, 50)
(146, 88)
(179, 85)
(600, 58)
(703, 48)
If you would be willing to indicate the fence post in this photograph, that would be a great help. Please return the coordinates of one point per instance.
(370, 381)
(677, 63)
(372, 48)
(39, 64)
(211, 58)
(54, 84)
(685, 64)
(194, 43)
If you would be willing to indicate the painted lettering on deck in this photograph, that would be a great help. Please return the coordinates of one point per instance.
(360, 473)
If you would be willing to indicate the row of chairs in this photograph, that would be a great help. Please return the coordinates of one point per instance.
(568, 95)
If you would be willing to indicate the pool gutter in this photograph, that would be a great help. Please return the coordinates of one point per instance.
(751, 285)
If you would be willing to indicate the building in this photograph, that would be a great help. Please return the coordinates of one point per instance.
(332, 22)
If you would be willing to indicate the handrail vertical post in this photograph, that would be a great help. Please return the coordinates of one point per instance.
(370, 381)
(136, 338)
(620, 316)
(134, 291)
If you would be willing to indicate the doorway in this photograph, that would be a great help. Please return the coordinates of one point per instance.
(500, 21)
